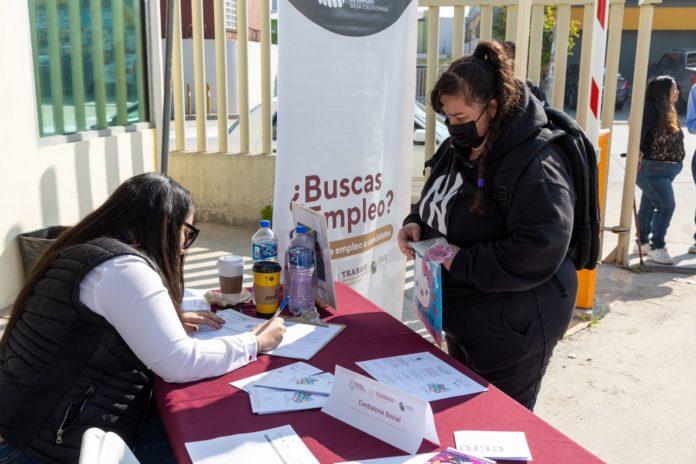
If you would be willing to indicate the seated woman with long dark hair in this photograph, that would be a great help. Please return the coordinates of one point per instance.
(98, 315)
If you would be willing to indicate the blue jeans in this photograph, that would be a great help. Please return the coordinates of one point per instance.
(152, 446)
(657, 202)
(693, 173)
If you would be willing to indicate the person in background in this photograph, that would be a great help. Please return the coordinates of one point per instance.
(98, 315)
(509, 291)
(691, 127)
(662, 150)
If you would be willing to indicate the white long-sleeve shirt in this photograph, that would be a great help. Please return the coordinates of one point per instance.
(130, 295)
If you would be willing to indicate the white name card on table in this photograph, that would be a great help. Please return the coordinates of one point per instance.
(274, 446)
(506, 446)
(423, 375)
(400, 419)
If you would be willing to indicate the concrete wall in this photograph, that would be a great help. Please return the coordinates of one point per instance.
(228, 189)
(46, 182)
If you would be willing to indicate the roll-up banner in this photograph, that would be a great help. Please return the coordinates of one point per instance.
(346, 90)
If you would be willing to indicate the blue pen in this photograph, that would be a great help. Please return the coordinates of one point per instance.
(282, 306)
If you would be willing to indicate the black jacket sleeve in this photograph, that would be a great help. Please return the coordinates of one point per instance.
(539, 224)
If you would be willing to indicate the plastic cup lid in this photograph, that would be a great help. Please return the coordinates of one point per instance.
(230, 261)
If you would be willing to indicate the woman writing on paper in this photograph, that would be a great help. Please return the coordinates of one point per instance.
(509, 291)
(97, 316)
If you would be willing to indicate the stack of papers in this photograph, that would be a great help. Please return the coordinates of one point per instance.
(506, 446)
(448, 456)
(422, 375)
(296, 387)
(301, 341)
(194, 300)
(274, 446)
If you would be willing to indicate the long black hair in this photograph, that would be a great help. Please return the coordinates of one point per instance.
(479, 78)
(147, 212)
(658, 92)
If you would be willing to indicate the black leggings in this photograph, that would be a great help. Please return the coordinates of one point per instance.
(508, 338)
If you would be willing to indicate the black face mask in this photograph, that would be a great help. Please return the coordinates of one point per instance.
(465, 136)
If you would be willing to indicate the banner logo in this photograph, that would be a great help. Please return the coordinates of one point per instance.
(354, 18)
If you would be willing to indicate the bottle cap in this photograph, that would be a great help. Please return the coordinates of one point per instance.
(300, 229)
(265, 223)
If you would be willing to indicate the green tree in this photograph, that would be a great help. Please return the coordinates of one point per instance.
(499, 19)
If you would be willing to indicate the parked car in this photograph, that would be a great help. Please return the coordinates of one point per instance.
(680, 64)
(623, 88)
(441, 132)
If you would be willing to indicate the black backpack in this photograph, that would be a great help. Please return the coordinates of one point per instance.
(565, 133)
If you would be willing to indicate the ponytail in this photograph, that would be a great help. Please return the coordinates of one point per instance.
(486, 75)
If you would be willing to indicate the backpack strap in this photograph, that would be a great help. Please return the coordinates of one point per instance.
(507, 174)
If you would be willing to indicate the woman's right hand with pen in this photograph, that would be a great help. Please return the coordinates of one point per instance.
(269, 334)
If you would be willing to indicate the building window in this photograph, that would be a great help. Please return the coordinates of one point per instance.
(89, 66)
(231, 14)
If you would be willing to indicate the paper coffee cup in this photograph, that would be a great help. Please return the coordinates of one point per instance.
(231, 273)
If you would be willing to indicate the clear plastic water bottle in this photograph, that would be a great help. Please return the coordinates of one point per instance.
(300, 261)
(264, 243)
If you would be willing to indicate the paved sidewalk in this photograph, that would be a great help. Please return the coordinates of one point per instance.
(624, 387)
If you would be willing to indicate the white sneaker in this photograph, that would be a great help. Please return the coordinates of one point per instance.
(645, 248)
(660, 256)
(692, 249)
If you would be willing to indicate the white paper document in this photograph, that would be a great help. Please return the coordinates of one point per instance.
(507, 446)
(386, 413)
(301, 341)
(235, 324)
(318, 383)
(294, 370)
(417, 459)
(194, 300)
(423, 375)
(269, 400)
(274, 446)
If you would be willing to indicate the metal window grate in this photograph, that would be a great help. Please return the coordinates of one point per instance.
(89, 66)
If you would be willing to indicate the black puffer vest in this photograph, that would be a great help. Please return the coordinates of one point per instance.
(65, 369)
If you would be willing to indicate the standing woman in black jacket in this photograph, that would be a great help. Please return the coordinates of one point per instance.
(509, 292)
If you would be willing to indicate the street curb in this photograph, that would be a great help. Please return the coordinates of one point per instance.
(666, 269)
(576, 329)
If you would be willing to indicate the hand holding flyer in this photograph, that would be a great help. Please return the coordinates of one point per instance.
(428, 283)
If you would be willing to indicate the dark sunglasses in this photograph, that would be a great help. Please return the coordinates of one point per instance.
(191, 235)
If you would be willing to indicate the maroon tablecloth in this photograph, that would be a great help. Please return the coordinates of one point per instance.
(212, 408)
